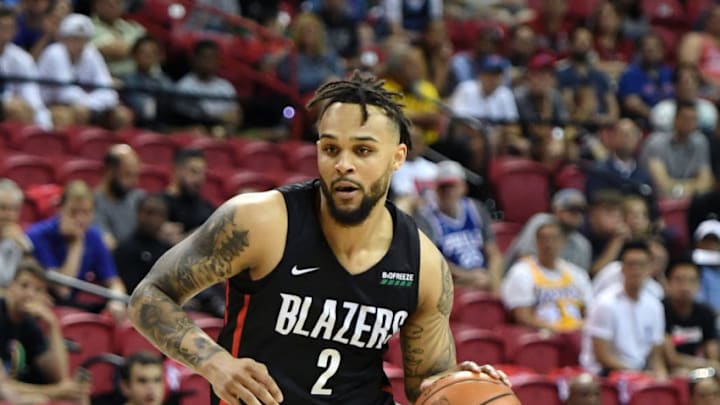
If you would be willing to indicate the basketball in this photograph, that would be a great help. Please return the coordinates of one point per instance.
(467, 388)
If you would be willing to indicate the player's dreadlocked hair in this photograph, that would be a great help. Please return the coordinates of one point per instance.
(365, 90)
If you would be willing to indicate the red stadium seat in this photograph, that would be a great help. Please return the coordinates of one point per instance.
(397, 383)
(89, 171)
(36, 141)
(27, 170)
(393, 355)
(154, 148)
(570, 176)
(535, 389)
(260, 156)
(296, 178)
(211, 325)
(195, 388)
(666, 12)
(129, 340)
(219, 155)
(655, 394)
(248, 180)
(153, 178)
(302, 158)
(214, 187)
(478, 345)
(93, 334)
(505, 233)
(93, 143)
(480, 310)
(521, 187)
(44, 198)
(541, 354)
(674, 213)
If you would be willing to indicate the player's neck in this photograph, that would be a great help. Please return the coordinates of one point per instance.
(347, 240)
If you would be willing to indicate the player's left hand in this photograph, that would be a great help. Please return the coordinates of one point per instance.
(486, 369)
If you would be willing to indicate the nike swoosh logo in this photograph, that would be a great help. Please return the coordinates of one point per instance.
(299, 272)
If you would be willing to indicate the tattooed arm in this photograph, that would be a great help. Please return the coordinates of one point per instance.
(237, 237)
(427, 343)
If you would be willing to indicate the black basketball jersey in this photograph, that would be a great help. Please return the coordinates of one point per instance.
(320, 330)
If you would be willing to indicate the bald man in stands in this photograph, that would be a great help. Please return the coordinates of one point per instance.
(117, 195)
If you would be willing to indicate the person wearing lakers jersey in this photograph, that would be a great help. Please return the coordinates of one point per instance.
(547, 292)
(319, 275)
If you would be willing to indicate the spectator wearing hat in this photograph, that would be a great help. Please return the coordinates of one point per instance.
(568, 206)
(586, 90)
(85, 95)
(461, 228)
(707, 256)
(679, 161)
(486, 97)
(543, 291)
(21, 100)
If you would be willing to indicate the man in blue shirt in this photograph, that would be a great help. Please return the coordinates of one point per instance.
(68, 244)
(646, 82)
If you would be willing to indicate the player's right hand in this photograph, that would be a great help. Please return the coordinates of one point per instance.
(243, 381)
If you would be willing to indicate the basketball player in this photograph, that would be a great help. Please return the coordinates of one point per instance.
(320, 275)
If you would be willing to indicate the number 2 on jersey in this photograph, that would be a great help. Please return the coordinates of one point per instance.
(330, 360)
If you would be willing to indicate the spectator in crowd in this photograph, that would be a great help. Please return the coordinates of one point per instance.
(521, 49)
(586, 90)
(14, 244)
(552, 25)
(605, 228)
(146, 90)
(568, 206)
(142, 379)
(702, 207)
(647, 81)
(485, 97)
(464, 64)
(611, 276)
(415, 177)
(686, 80)
(73, 59)
(342, 29)
(704, 387)
(137, 253)
(21, 100)
(625, 328)
(437, 51)
(700, 49)
(679, 162)
(186, 206)
(620, 170)
(117, 194)
(114, 35)
(314, 62)
(38, 22)
(223, 116)
(707, 256)
(637, 217)
(633, 22)
(404, 74)
(410, 17)
(461, 228)
(614, 51)
(69, 244)
(545, 291)
(691, 337)
(583, 390)
(32, 347)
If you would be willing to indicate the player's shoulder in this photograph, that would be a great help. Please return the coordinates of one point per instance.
(255, 208)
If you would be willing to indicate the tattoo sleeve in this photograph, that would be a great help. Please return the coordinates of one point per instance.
(198, 262)
(428, 346)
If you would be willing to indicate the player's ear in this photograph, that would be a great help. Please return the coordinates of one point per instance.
(399, 156)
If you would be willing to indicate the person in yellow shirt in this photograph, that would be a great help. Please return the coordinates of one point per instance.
(405, 73)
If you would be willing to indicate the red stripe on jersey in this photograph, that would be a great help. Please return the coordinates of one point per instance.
(237, 333)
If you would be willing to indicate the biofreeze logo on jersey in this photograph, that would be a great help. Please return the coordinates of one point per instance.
(345, 322)
(397, 279)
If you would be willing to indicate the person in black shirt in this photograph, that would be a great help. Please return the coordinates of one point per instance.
(691, 338)
(320, 275)
(136, 255)
(36, 362)
(186, 206)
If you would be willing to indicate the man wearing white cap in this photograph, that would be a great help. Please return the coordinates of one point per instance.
(707, 256)
(460, 227)
(71, 60)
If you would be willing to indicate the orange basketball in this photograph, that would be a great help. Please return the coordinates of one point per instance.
(467, 388)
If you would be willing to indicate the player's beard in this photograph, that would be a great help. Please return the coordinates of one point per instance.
(369, 200)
